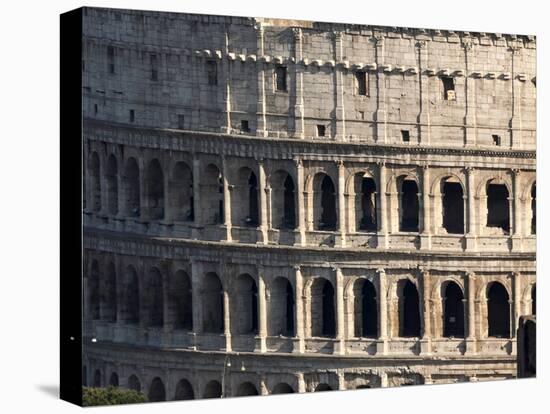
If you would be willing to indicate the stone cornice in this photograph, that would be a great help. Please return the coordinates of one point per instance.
(273, 148)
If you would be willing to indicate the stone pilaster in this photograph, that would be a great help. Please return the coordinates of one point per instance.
(340, 111)
(424, 87)
(341, 203)
(298, 85)
(261, 127)
(299, 346)
(470, 120)
(197, 210)
(226, 320)
(471, 345)
(382, 345)
(263, 203)
(340, 345)
(426, 342)
(472, 228)
(425, 215)
(380, 115)
(517, 238)
(262, 311)
(382, 213)
(301, 202)
(226, 202)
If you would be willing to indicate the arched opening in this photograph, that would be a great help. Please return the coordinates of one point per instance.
(324, 196)
(134, 383)
(95, 182)
(182, 301)
(97, 378)
(282, 388)
(130, 309)
(154, 191)
(113, 381)
(246, 305)
(211, 187)
(157, 391)
(365, 309)
(409, 206)
(131, 184)
(289, 210)
(365, 203)
(213, 390)
(155, 295)
(184, 391)
(283, 204)
(213, 314)
(93, 280)
(252, 219)
(498, 310)
(111, 177)
(323, 321)
(110, 296)
(323, 387)
(534, 209)
(245, 198)
(453, 207)
(453, 313)
(409, 310)
(534, 300)
(247, 388)
(498, 207)
(181, 193)
(281, 314)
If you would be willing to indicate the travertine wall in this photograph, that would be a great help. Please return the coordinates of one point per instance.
(205, 234)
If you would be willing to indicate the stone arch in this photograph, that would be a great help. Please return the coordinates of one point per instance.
(131, 188)
(409, 206)
(283, 200)
(408, 309)
(131, 302)
(245, 207)
(323, 312)
(282, 388)
(109, 294)
(453, 309)
(94, 290)
(365, 308)
(448, 194)
(94, 172)
(324, 202)
(184, 391)
(498, 310)
(113, 380)
(498, 205)
(98, 379)
(213, 390)
(247, 388)
(111, 179)
(213, 312)
(154, 190)
(211, 195)
(181, 193)
(281, 308)
(157, 392)
(323, 387)
(245, 305)
(181, 301)
(154, 298)
(363, 194)
(134, 383)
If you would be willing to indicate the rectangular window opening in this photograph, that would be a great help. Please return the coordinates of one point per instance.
(181, 122)
(321, 130)
(95, 109)
(280, 78)
(212, 72)
(361, 83)
(448, 88)
(405, 135)
(244, 126)
(132, 115)
(496, 140)
(111, 58)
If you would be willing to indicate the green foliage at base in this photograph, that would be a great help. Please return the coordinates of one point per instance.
(111, 396)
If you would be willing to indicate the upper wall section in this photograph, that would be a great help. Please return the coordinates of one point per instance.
(326, 81)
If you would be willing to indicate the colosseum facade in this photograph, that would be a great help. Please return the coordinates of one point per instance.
(280, 206)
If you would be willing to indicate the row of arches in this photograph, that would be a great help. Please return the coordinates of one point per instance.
(173, 305)
(172, 198)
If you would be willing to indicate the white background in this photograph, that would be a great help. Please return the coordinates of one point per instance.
(29, 206)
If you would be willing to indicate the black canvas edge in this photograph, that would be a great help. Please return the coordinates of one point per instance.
(71, 255)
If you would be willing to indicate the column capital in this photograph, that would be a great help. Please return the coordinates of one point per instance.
(297, 268)
(297, 33)
(298, 162)
(381, 163)
(467, 45)
(470, 275)
(340, 164)
(516, 172)
(421, 44)
(381, 270)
